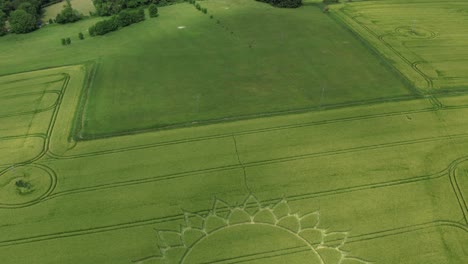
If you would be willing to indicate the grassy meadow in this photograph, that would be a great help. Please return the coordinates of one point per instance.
(328, 156)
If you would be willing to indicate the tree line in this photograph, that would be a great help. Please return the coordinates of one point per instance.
(23, 16)
(112, 7)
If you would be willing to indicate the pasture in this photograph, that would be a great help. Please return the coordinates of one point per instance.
(365, 170)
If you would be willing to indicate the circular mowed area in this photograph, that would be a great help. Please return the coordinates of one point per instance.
(23, 185)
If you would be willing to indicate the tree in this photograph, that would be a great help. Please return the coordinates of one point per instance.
(3, 19)
(68, 14)
(22, 22)
(28, 7)
(153, 10)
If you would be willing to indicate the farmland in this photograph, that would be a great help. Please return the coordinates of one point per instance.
(212, 74)
(106, 162)
(429, 53)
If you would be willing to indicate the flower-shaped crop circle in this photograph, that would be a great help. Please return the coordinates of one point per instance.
(251, 233)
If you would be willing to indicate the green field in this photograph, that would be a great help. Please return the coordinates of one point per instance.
(308, 147)
(425, 40)
(232, 70)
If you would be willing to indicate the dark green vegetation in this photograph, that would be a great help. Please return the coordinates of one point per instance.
(23, 15)
(111, 7)
(153, 10)
(3, 19)
(283, 3)
(22, 21)
(123, 19)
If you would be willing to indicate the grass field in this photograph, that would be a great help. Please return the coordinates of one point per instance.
(380, 179)
(235, 69)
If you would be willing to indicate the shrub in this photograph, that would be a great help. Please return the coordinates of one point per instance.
(104, 27)
(127, 17)
(68, 41)
(112, 7)
(22, 184)
(123, 19)
(153, 10)
(64, 42)
(23, 187)
(283, 3)
(80, 36)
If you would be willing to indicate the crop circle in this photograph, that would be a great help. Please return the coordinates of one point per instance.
(415, 32)
(20, 186)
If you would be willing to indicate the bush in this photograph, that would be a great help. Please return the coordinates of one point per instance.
(283, 3)
(64, 42)
(104, 27)
(153, 10)
(127, 17)
(68, 41)
(23, 187)
(22, 22)
(80, 36)
(112, 7)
